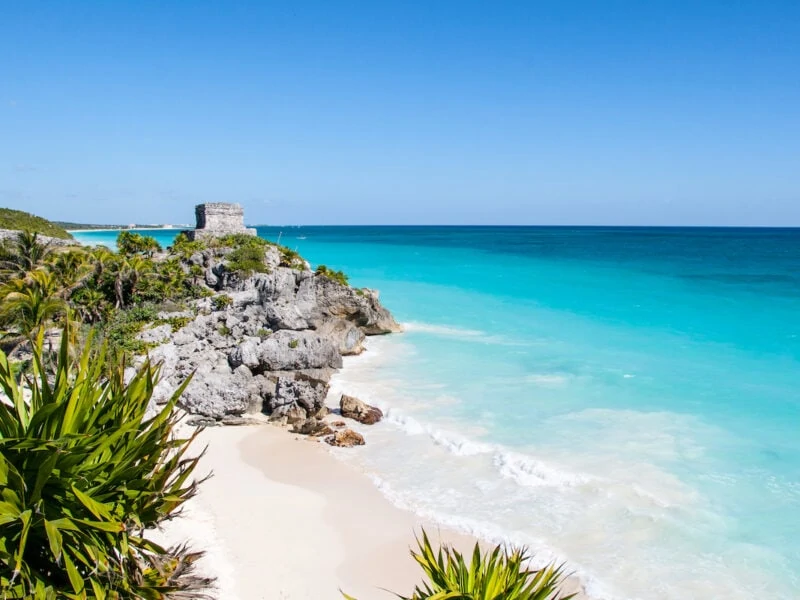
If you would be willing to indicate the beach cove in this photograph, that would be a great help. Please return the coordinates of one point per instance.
(586, 391)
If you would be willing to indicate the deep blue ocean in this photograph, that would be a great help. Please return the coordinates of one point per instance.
(625, 399)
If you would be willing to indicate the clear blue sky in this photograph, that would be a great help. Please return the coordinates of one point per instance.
(376, 112)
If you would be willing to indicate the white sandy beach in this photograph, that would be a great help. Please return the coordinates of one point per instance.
(283, 518)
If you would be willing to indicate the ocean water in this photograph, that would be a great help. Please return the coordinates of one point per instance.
(623, 399)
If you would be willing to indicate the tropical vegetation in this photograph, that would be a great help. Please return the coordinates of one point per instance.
(337, 276)
(85, 469)
(18, 220)
(499, 574)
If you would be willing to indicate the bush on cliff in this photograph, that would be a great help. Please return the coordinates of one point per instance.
(337, 276)
(246, 260)
(84, 470)
(496, 575)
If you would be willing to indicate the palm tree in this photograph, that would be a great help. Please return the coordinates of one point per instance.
(120, 268)
(90, 304)
(102, 258)
(71, 268)
(26, 253)
(31, 303)
(138, 269)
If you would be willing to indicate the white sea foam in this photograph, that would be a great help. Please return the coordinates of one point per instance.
(442, 329)
(548, 379)
(530, 471)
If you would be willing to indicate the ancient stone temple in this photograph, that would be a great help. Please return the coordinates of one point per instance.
(215, 219)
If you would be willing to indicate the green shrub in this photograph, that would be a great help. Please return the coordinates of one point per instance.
(221, 302)
(499, 575)
(177, 323)
(293, 343)
(224, 330)
(130, 243)
(246, 260)
(121, 329)
(238, 240)
(84, 470)
(184, 247)
(290, 258)
(337, 276)
(263, 333)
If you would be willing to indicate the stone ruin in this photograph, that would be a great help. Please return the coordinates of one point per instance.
(215, 219)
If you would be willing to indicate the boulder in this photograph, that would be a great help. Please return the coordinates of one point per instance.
(312, 426)
(346, 438)
(353, 408)
(297, 398)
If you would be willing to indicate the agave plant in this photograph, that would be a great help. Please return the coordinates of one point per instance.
(85, 468)
(499, 575)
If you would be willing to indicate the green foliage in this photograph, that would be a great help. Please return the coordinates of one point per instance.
(263, 333)
(221, 302)
(337, 276)
(246, 260)
(130, 243)
(121, 329)
(23, 254)
(290, 258)
(224, 330)
(293, 343)
(18, 220)
(497, 575)
(177, 323)
(84, 469)
(30, 304)
(184, 247)
(238, 240)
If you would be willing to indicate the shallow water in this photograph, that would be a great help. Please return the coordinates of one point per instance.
(622, 398)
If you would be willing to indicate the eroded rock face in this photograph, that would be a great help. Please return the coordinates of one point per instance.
(346, 438)
(353, 408)
(297, 397)
(287, 350)
(273, 350)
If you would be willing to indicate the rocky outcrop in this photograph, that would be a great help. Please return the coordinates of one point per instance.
(346, 438)
(10, 235)
(272, 349)
(353, 408)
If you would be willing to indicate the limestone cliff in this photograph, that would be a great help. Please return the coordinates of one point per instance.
(273, 349)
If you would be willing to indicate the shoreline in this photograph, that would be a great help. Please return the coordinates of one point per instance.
(282, 517)
(301, 527)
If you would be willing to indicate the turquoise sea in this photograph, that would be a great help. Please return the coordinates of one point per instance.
(626, 399)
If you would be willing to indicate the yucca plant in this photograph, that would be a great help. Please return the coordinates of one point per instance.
(498, 575)
(84, 470)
